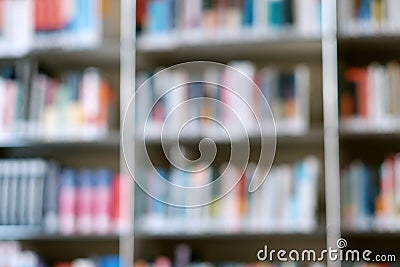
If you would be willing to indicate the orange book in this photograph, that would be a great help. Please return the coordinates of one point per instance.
(358, 76)
(242, 197)
(346, 105)
(105, 97)
(387, 186)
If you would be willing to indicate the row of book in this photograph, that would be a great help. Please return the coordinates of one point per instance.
(369, 17)
(11, 255)
(225, 96)
(161, 16)
(287, 201)
(38, 24)
(61, 200)
(370, 98)
(183, 257)
(79, 105)
(371, 195)
(166, 262)
(200, 18)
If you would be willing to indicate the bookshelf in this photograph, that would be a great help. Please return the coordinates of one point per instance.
(361, 49)
(281, 48)
(75, 42)
(338, 45)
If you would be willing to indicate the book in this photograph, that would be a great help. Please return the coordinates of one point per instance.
(286, 91)
(44, 194)
(369, 98)
(286, 201)
(366, 17)
(204, 18)
(370, 196)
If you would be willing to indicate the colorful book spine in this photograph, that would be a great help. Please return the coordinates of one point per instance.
(370, 196)
(227, 16)
(369, 98)
(294, 188)
(63, 200)
(286, 90)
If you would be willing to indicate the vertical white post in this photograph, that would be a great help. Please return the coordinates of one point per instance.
(331, 123)
(127, 90)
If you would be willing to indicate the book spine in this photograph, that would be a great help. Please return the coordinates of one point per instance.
(67, 202)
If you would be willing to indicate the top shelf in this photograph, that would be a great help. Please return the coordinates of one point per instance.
(105, 53)
(240, 44)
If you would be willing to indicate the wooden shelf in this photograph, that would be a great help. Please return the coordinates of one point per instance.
(312, 136)
(285, 44)
(109, 141)
(35, 233)
(106, 53)
(315, 235)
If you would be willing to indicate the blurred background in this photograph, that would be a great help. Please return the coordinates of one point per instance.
(328, 69)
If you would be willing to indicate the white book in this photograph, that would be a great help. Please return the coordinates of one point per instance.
(306, 16)
(90, 95)
(240, 119)
(284, 188)
(18, 30)
(22, 192)
(302, 96)
(192, 12)
(13, 190)
(197, 215)
(260, 16)
(83, 263)
(5, 171)
(176, 95)
(142, 102)
(372, 105)
(379, 86)
(267, 205)
(212, 89)
(22, 25)
(346, 22)
(393, 70)
(35, 191)
(229, 204)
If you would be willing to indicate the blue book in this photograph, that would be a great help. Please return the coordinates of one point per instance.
(160, 16)
(85, 17)
(248, 15)
(110, 261)
(365, 10)
(359, 190)
(162, 193)
(276, 13)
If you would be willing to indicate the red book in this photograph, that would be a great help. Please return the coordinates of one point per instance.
(63, 264)
(51, 15)
(2, 16)
(121, 204)
(359, 77)
(141, 13)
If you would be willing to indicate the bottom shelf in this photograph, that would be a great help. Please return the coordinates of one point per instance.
(221, 247)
